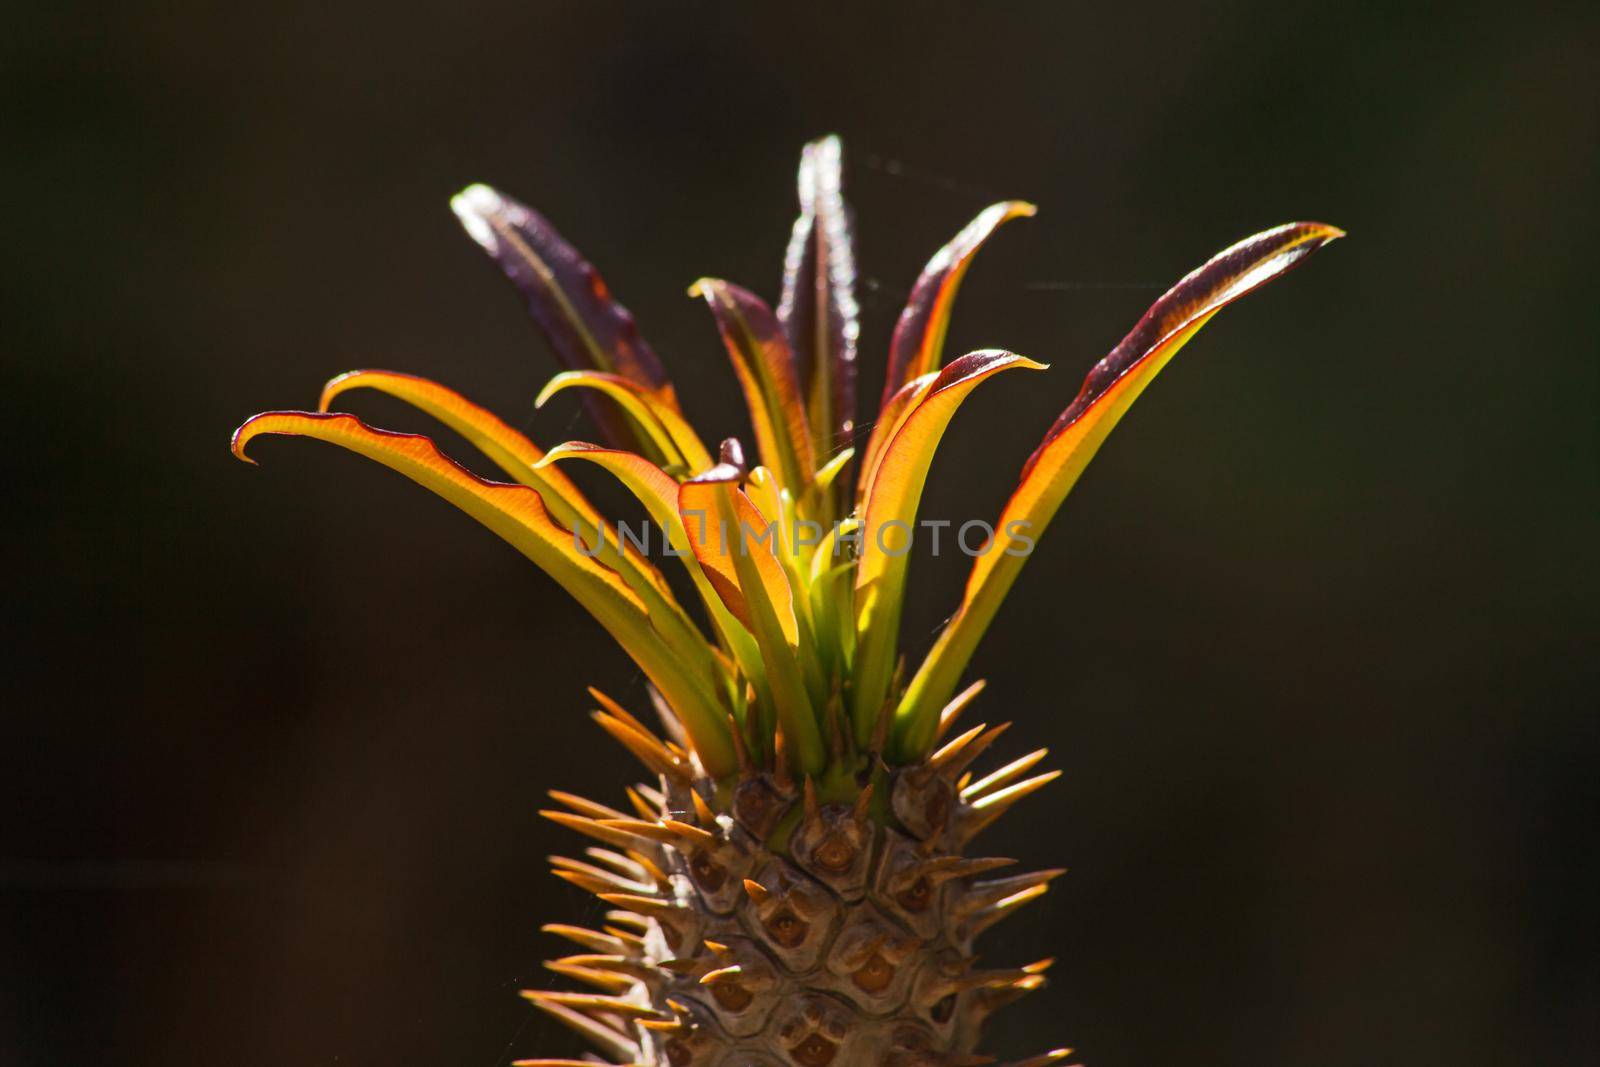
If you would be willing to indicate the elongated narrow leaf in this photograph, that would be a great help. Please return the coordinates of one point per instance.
(720, 540)
(518, 515)
(890, 516)
(658, 492)
(1050, 473)
(653, 487)
(584, 325)
(765, 368)
(890, 417)
(735, 543)
(661, 426)
(918, 342)
(506, 446)
(777, 505)
(519, 457)
(818, 310)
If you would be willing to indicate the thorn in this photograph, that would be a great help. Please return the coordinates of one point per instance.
(632, 942)
(646, 747)
(599, 831)
(986, 918)
(670, 723)
(957, 705)
(630, 920)
(614, 983)
(590, 939)
(679, 966)
(608, 1040)
(691, 832)
(652, 907)
(992, 894)
(1003, 775)
(591, 1002)
(961, 759)
(941, 869)
(987, 980)
(661, 1026)
(584, 806)
(703, 811)
(641, 805)
(610, 963)
(730, 973)
(654, 873)
(617, 711)
(625, 880)
(996, 997)
(623, 865)
(863, 804)
(592, 883)
(1013, 793)
(953, 748)
(987, 809)
(758, 892)
(1053, 1056)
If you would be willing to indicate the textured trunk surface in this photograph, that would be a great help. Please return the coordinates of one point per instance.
(756, 925)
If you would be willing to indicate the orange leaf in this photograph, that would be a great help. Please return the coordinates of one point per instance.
(658, 492)
(1054, 468)
(509, 448)
(890, 513)
(717, 540)
(661, 424)
(518, 515)
(918, 339)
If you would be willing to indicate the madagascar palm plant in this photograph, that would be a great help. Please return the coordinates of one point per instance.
(793, 884)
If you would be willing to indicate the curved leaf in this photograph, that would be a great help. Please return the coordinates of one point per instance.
(918, 341)
(519, 457)
(658, 492)
(567, 297)
(1050, 473)
(765, 368)
(890, 417)
(508, 448)
(889, 515)
(720, 540)
(652, 486)
(661, 426)
(818, 310)
(518, 515)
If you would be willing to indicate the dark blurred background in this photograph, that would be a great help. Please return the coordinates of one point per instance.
(1315, 640)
